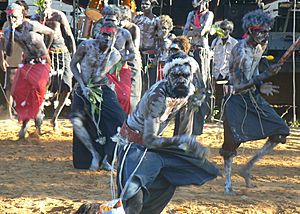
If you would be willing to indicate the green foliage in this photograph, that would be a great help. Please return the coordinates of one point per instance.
(95, 98)
(219, 31)
(40, 4)
(117, 67)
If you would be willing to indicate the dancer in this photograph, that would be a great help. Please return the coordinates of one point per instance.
(9, 64)
(96, 112)
(120, 75)
(198, 26)
(247, 116)
(62, 48)
(150, 167)
(29, 85)
(136, 63)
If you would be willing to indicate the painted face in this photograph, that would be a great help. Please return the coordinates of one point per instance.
(260, 36)
(146, 5)
(180, 78)
(105, 36)
(16, 17)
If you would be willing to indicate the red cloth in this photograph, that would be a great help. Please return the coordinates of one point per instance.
(122, 86)
(197, 18)
(28, 89)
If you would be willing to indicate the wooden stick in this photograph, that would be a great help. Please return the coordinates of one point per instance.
(289, 51)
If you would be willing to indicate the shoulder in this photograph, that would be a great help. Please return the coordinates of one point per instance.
(157, 99)
(125, 33)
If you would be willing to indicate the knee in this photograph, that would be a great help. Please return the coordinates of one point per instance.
(227, 154)
(76, 122)
(134, 205)
(277, 138)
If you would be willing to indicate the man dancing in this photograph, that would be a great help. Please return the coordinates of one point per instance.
(29, 85)
(96, 112)
(247, 116)
(197, 27)
(62, 48)
(150, 166)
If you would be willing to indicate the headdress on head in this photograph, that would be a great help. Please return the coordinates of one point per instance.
(13, 8)
(125, 12)
(257, 19)
(179, 58)
(108, 27)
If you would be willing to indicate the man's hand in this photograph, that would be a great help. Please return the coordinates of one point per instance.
(4, 65)
(85, 92)
(269, 89)
(12, 22)
(274, 69)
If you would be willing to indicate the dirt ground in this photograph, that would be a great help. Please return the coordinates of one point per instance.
(37, 176)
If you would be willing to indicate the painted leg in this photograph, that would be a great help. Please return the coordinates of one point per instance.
(23, 130)
(9, 104)
(85, 138)
(228, 170)
(245, 171)
(39, 121)
(135, 204)
(61, 103)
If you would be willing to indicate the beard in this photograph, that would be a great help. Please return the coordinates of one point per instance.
(181, 91)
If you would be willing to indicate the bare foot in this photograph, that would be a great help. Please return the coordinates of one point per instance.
(95, 163)
(229, 192)
(246, 174)
(54, 124)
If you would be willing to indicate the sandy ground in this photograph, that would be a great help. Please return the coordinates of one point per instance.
(37, 176)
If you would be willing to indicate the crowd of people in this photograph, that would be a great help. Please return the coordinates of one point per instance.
(134, 77)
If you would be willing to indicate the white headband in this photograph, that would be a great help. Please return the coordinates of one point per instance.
(180, 61)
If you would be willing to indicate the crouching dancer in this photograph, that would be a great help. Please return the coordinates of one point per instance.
(30, 81)
(247, 116)
(96, 112)
(150, 166)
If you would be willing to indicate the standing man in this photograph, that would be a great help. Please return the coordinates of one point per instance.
(136, 63)
(29, 85)
(148, 24)
(120, 75)
(62, 48)
(96, 112)
(247, 116)
(151, 166)
(222, 46)
(9, 64)
(198, 27)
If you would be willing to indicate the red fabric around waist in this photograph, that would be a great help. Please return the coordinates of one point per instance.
(130, 134)
(122, 86)
(28, 89)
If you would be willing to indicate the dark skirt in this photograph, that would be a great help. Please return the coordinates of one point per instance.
(250, 117)
(160, 172)
(112, 117)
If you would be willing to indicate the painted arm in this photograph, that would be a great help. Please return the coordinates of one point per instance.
(42, 29)
(129, 48)
(188, 24)
(3, 62)
(9, 34)
(76, 59)
(151, 136)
